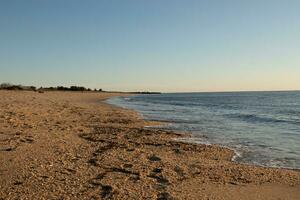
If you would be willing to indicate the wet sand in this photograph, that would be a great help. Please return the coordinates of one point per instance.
(71, 145)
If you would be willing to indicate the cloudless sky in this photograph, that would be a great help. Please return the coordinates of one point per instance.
(157, 45)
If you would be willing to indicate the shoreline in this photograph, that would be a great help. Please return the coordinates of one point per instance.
(200, 139)
(62, 145)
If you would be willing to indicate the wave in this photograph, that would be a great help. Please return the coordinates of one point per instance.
(255, 118)
(290, 112)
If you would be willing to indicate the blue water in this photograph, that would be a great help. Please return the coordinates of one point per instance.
(262, 127)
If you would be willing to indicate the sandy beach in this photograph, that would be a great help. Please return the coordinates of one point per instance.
(72, 145)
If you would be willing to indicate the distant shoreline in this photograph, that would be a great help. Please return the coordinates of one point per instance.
(8, 86)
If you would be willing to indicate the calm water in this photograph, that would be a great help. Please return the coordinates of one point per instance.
(263, 127)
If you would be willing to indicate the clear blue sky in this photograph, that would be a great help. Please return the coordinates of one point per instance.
(161, 45)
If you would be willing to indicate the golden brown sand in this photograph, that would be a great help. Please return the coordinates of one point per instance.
(68, 145)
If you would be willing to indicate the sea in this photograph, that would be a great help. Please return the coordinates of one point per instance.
(263, 128)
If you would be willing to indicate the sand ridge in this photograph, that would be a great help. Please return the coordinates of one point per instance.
(71, 145)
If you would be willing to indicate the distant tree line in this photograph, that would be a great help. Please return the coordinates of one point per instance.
(8, 86)
(72, 88)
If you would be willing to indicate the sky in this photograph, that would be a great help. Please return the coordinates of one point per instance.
(152, 45)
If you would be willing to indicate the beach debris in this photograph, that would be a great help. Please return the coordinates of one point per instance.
(154, 158)
(164, 196)
(106, 191)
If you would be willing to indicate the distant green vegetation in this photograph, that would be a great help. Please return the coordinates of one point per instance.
(72, 88)
(8, 86)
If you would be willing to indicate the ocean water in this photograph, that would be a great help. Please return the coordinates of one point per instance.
(262, 127)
